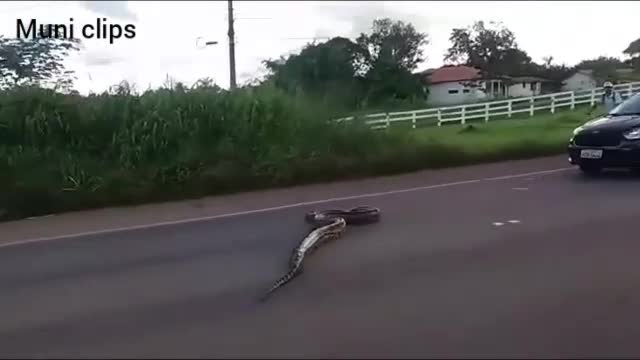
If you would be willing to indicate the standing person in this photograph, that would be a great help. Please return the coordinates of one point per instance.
(610, 98)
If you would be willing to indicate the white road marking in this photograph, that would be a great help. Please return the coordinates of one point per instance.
(275, 208)
(40, 217)
(520, 188)
(497, 223)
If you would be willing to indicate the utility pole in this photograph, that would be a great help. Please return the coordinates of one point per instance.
(232, 48)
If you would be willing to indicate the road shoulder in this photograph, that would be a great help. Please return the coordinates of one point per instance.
(122, 218)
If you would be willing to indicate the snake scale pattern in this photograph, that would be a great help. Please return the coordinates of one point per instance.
(329, 225)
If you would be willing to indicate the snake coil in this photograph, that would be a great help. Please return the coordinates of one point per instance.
(329, 225)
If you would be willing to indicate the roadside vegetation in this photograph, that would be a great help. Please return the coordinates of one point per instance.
(63, 152)
(60, 151)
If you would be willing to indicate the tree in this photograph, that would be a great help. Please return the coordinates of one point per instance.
(315, 67)
(386, 85)
(600, 62)
(375, 67)
(547, 60)
(386, 59)
(603, 68)
(556, 74)
(492, 50)
(325, 70)
(391, 44)
(35, 62)
(633, 51)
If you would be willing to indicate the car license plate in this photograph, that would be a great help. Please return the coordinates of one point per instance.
(591, 154)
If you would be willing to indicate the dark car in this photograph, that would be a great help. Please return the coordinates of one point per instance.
(612, 141)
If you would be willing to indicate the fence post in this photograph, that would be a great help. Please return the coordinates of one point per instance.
(629, 90)
(388, 121)
(553, 104)
(462, 113)
(530, 106)
(509, 108)
(439, 118)
(573, 100)
(593, 97)
(413, 120)
(486, 112)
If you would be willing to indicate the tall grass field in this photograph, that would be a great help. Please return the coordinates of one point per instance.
(68, 152)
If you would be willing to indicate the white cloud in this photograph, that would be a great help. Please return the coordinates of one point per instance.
(114, 9)
(166, 32)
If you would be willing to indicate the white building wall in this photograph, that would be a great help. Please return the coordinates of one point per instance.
(453, 93)
(579, 82)
(526, 90)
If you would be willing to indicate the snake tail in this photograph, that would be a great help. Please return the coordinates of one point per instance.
(295, 271)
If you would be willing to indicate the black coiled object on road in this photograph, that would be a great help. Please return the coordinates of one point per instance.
(328, 225)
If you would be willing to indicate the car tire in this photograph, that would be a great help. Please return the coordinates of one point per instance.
(591, 170)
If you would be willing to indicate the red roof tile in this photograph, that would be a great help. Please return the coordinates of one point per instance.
(454, 73)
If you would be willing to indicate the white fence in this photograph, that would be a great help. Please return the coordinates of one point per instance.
(485, 111)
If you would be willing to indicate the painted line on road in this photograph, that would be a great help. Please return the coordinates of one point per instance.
(499, 223)
(281, 207)
(40, 217)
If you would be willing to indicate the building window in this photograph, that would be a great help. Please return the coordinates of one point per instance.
(524, 85)
(453, 91)
(534, 86)
(466, 91)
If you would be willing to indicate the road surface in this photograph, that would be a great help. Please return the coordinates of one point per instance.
(502, 260)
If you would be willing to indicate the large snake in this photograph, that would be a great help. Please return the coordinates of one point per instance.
(330, 225)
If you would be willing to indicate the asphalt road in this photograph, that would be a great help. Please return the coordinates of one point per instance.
(543, 265)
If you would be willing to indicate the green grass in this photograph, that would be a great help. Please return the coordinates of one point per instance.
(61, 153)
(544, 129)
(542, 134)
(453, 145)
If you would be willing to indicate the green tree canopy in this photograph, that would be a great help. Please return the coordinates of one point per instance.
(633, 51)
(35, 61)
(491, 49)
(386, 59)
(375, 67)
(316, 67)
(555, 73)
(603, 68)
(391, 44)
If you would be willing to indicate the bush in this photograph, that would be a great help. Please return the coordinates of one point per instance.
(63, 152)
(67, 152)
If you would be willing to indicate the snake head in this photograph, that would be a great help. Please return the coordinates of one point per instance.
(312, 215)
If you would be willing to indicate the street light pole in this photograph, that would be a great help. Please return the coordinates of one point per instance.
(232, 48)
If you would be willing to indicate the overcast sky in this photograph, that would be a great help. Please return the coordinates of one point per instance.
(166, 32)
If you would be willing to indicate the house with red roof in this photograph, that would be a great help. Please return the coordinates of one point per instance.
(452, 85)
